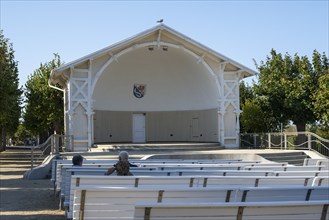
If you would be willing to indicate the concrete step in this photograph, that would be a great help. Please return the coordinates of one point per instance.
(20, 155)
(293, 158)
(154, 147)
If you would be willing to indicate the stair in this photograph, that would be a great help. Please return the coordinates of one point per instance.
(21, 155)
(293, 158)
(156, 147)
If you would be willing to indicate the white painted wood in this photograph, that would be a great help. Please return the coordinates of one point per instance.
(139, 128)
(311, 210)
(99, 203)
(321, 181)
(180, 181)
(103, 81)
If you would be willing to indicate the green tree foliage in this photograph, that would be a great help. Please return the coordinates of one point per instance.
(321, 96)
(10, 93)
(246, 93)
(289, 84)
(252, 118)
(44, 106)
(256, 115)
(22, 133)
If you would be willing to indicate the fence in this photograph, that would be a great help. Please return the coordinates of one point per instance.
(53, 145)
(285, 141)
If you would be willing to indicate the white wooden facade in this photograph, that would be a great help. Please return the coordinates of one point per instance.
(156, 86)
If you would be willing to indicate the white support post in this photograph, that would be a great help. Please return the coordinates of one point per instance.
(90, 107)
(221, 127)
(309, 141)
(285, 141)
(269, 141)
(221, 110)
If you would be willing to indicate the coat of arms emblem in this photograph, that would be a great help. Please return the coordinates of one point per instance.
(139, 90)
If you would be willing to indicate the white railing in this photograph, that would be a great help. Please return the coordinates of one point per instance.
(285, 141)
(53, 145)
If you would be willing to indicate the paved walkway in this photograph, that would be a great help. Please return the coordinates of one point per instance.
(24, 199)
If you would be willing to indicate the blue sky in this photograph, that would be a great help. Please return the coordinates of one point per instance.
(241, 30)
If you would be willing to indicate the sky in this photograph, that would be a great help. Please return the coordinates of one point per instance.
(241, 30)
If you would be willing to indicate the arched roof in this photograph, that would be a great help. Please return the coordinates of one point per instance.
(158, 34)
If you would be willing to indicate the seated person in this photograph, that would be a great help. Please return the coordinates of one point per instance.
(122, 166)
(77, 160)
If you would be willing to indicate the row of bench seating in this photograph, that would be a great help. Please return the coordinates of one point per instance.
(203, 175)
(214, 167)
(150, 165)
(67, 171)
(296, 210)
(202, 182)
(120, 203)
(58, 163)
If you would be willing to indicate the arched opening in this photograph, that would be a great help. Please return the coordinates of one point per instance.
(178, 91)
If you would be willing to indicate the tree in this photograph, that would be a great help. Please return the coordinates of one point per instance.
(257, 115)
(246, 93)
(252, 118)
(44, 106)
(10, 93)
(289, 84)
(321, 96)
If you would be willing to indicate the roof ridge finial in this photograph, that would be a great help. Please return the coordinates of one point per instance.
(160, 21)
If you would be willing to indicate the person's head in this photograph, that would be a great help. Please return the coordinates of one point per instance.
(77, 160)
(122, 168)
(123, 156)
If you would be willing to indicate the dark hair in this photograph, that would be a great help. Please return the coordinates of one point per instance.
(77, 160)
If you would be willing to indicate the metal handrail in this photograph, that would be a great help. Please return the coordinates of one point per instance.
(54, 144)
(313, 142)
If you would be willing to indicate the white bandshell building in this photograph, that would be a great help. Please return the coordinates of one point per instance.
(157, 86)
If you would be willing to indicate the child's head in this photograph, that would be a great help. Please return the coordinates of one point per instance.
(77, 160)
(123, 156)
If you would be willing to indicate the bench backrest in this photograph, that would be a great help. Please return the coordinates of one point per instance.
(321, 181)
(179, 181)
(56, 162)
(66, 182)
(286, 168)
(311, 210)
(313, 161)
(99, 202)
(302, 173)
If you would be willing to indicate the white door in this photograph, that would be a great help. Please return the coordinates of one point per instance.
(138, 128)
(195, 129)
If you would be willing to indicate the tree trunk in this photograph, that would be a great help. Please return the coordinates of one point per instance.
(3, 139)
(301, 140)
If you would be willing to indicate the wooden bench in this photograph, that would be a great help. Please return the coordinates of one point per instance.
(289, 193)
(96, 169)
(310, 210)
(66, 176)
(286, 168)
(66, 182)
(321, 181)
(56, 162)
(60, 184)
(302, 173)
(153, 165)
(118, 202)
(312, 162)
(79, 181)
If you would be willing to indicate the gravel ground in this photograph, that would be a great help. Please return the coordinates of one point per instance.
(25, 199)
